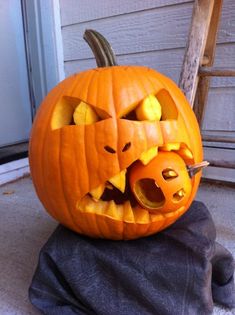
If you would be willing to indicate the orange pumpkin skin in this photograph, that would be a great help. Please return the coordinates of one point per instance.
(68, 162)
(161, 189)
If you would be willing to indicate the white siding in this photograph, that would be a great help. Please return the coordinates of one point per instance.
(154, 33)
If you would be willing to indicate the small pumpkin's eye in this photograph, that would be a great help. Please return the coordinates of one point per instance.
(84, 114)
(169, 174)
(149, 109)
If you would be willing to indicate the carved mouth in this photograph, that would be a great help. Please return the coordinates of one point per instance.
(115, 199)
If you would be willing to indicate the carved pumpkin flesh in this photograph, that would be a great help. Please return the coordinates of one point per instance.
(102, 139)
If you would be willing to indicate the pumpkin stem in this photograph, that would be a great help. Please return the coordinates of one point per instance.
(101, 49)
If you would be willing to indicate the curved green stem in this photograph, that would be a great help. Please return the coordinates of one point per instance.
(101, 49)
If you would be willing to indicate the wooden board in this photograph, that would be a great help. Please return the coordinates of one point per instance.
(220, 113)
(142, 31)
(197, 38)
(156, 29)
(218, 157)
(78, 11)
(167, 61)
(201, 97)
(219, 173)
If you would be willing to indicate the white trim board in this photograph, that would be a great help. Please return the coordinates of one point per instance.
(14, 170)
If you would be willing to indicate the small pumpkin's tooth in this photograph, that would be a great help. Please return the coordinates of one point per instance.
(119, 181)
(148, 155)
(169, 174)
(170, 146)
(97, 192)
(185, 153)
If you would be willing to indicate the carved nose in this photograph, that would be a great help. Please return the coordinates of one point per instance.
(112, 151)
(126, 146)
(109, 149)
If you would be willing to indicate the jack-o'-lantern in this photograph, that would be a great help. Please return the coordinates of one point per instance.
(103, 138)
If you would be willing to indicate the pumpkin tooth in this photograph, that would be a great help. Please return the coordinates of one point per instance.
(113, 210)
(128, 215)
(170, 147)
(141, 215)
(97, 192)
(119, 181)
(148, 155)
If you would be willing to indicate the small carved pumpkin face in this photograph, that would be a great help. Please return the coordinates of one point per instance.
(98, 136)
(163, 185)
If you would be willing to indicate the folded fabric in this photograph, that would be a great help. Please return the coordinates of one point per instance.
(181, 270)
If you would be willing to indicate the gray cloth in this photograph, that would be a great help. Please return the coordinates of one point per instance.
(181, 270)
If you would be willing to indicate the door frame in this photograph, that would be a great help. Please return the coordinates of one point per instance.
(44, 47)
(45, 62)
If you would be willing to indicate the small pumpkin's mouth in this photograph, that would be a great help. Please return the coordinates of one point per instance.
(149, 194)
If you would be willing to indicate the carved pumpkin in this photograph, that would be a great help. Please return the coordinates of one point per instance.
(102, 129)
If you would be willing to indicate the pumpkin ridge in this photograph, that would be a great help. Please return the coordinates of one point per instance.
(62, 183)
(43, 158)
(93, 83)
(86, 138)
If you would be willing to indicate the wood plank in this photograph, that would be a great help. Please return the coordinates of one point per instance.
(219, 174)
(168, 62)
(138, 32)
(218, 134)
(220, 113)
(163, 28)
(215, 72)
(13, 170)
(78, 11)
(204, 81)
(224, 139)
(196, 43)
(213, 31)
(220, 157)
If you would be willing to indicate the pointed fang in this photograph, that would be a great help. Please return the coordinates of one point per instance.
(96, 193)
(119, 181)
(194, 169)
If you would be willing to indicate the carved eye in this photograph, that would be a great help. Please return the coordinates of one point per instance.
(153, 108)
(179, 195)
(149, 109)
(169, 174)
(84, 114)
(72, 111)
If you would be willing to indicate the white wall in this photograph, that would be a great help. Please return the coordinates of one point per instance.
(15, 107)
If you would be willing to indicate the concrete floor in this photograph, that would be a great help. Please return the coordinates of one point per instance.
(25, 227)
